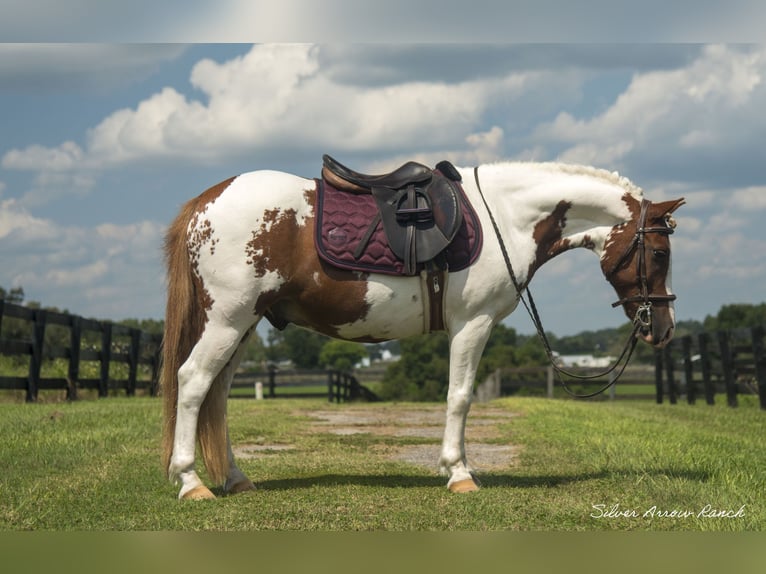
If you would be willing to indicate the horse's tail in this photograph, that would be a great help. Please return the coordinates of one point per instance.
(184, 322)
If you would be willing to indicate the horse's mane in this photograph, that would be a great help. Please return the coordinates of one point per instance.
(610, 176)
(586, 170)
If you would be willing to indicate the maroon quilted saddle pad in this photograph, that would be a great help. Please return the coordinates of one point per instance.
(343, 220)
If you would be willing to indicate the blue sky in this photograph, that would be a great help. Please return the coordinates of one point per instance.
(101, 143)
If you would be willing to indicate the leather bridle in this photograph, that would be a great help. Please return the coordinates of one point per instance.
(643, 317)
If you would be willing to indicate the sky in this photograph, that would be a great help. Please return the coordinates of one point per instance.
(103, 137)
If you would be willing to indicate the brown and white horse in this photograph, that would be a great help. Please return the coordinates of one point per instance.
(244, 249)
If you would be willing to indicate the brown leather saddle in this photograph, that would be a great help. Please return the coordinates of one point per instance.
(420, 208)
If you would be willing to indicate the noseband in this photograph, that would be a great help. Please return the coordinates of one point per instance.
(643, 316)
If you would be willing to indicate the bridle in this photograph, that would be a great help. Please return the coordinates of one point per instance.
(641, 320)
(643, 315)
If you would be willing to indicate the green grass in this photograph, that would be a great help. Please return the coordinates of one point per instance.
(94, 465)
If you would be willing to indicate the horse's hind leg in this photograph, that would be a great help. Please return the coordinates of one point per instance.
(207, 361)
(236, 480)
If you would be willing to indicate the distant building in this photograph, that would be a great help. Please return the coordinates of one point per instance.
(584, 361)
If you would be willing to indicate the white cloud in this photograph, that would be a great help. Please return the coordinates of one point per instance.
(666, 117)
(64, 157)
(749, 199)
(277, 96)
(113, 271)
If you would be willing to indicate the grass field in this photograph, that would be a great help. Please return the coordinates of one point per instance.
(94, 465)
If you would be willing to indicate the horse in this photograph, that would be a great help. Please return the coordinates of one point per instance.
(245, 249)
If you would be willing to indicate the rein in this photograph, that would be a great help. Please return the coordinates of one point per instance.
(643, 317)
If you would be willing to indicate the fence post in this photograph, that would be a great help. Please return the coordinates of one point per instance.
(670, 372)
(75, 339)
(272, 380)
(658, 375)
(707, 375)
(135, 346)
(106, 357)
(691, 387)
(36, 360)
(760, 363)
(155, 382)
(727, 363)
(549, 380)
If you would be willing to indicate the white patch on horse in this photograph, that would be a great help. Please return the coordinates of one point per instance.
(391, 314)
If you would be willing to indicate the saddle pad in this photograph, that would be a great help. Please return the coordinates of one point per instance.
(342, 219)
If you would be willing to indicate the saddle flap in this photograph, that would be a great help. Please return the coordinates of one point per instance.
(419, 222)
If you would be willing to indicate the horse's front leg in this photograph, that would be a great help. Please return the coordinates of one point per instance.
(466, 346)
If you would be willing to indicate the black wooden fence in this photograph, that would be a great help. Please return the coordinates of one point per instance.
(84, 340)
(726, 362)
(731, 363)
(109, 344)
(336, 386)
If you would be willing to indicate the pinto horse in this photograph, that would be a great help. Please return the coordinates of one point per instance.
(244, 249)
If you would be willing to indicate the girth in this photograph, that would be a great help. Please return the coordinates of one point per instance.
(419, 208)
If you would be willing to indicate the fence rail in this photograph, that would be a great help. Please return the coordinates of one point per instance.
(112, 344)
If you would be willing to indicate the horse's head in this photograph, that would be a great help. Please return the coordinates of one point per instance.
(636, 261)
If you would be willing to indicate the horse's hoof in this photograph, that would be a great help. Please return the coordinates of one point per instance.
(241, 486)
(199, 493)
(461, 486)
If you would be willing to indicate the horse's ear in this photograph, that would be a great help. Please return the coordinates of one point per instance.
(664, 210)
(667, 207)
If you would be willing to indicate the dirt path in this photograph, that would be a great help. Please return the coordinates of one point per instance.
(487, 448)
(425, 422)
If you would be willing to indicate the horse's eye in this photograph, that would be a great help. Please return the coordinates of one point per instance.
(660, 253)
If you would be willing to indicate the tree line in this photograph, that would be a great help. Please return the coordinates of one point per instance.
(422, 371)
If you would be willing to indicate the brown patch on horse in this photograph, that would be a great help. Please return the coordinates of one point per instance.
(548, 236)
(314, 294)
(200, 234)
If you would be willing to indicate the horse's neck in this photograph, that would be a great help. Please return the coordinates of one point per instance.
(545, 209)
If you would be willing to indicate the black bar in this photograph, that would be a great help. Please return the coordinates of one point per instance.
(669, 371)
(691, 387)
(135, 347)
(106, 356)
(658, 375)
(272, 380)
(759, 357)
(75, 338)
(36, 360)
(727, 363)
(154, 385)
(707, 375)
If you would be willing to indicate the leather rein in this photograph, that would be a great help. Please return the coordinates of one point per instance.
(641, 320)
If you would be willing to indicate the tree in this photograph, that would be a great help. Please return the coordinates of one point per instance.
(422, 373)
(341, 355)
(295, 344)
(736, 316)
(15, 295)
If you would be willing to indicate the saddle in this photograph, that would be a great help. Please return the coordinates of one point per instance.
(420, 208)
